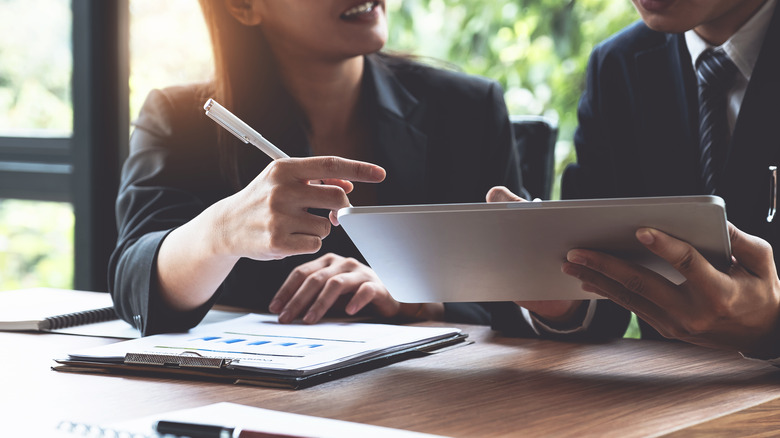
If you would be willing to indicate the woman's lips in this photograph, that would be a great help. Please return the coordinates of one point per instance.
(655, 5)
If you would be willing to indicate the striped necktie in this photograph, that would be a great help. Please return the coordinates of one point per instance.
(715, 73)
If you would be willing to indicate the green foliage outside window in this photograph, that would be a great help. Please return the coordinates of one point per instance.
(35, 67)
(36, 244)
(537, 49)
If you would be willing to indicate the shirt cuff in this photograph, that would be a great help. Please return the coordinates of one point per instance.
(540, 327)
(775, 361)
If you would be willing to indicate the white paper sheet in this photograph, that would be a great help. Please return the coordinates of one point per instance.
(248, 418)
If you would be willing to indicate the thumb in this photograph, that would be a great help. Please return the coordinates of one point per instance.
(681, 255)
(502, 194)
(753, 253)
(345, 185)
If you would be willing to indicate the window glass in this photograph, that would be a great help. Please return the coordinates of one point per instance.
(169, 45)
(36, 64)
(36, 244)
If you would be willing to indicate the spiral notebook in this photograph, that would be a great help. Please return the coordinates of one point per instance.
(53, 310)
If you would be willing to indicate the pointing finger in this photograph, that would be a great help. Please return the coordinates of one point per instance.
(324, 168)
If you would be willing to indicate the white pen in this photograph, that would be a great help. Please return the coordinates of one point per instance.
(244, 132)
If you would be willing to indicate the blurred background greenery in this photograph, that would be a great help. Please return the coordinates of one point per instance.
(536, 49)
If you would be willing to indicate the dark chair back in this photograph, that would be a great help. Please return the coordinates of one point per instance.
(535, 138)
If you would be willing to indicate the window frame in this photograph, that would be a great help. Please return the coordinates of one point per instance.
(36, 168)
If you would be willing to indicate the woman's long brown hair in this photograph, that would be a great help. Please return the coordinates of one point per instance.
(246, 82)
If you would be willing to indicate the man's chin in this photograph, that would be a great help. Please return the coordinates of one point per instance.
(665, 24)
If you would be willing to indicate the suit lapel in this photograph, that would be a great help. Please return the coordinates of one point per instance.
(755, 144)
(400, 145)
(668, 118)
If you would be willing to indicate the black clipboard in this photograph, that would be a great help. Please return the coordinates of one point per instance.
(214, 369)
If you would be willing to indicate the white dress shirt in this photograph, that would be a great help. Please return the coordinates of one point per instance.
(742, 48)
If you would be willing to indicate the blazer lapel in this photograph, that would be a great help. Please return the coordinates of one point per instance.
(668, 132)
(400, 145)
(755, 144)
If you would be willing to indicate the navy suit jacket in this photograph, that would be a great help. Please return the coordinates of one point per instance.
(443, 137)
(638, 131)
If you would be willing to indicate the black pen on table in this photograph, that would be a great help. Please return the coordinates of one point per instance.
(193, 430)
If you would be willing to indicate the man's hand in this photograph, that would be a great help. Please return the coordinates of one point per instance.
(737, 310)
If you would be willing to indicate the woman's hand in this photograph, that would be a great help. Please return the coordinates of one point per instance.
(313, 288)
(269, 218)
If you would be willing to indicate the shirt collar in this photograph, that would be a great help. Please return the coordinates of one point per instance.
(744, 46)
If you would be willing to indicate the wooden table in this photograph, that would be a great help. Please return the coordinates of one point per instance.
(493, 387)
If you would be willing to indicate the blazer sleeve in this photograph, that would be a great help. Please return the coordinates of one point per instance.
(598, 116)
(592, 138)
(592, 180)
(501, 166)
(157, 194)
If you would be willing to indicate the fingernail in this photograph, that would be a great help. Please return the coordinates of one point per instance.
(351, 309)
(575, 258)
(570, 270)
(309, 318)
(587, 287)
(645, 236)
(378, 173)
(274, 306)
(284, 316)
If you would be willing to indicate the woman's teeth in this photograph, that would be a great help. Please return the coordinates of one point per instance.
(359, 9)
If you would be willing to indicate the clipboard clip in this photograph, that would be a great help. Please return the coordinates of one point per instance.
(187, 359)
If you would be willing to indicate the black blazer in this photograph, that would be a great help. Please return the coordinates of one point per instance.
(443, 137)
(638, 131)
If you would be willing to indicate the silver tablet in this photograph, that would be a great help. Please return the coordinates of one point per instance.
(514, 250)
